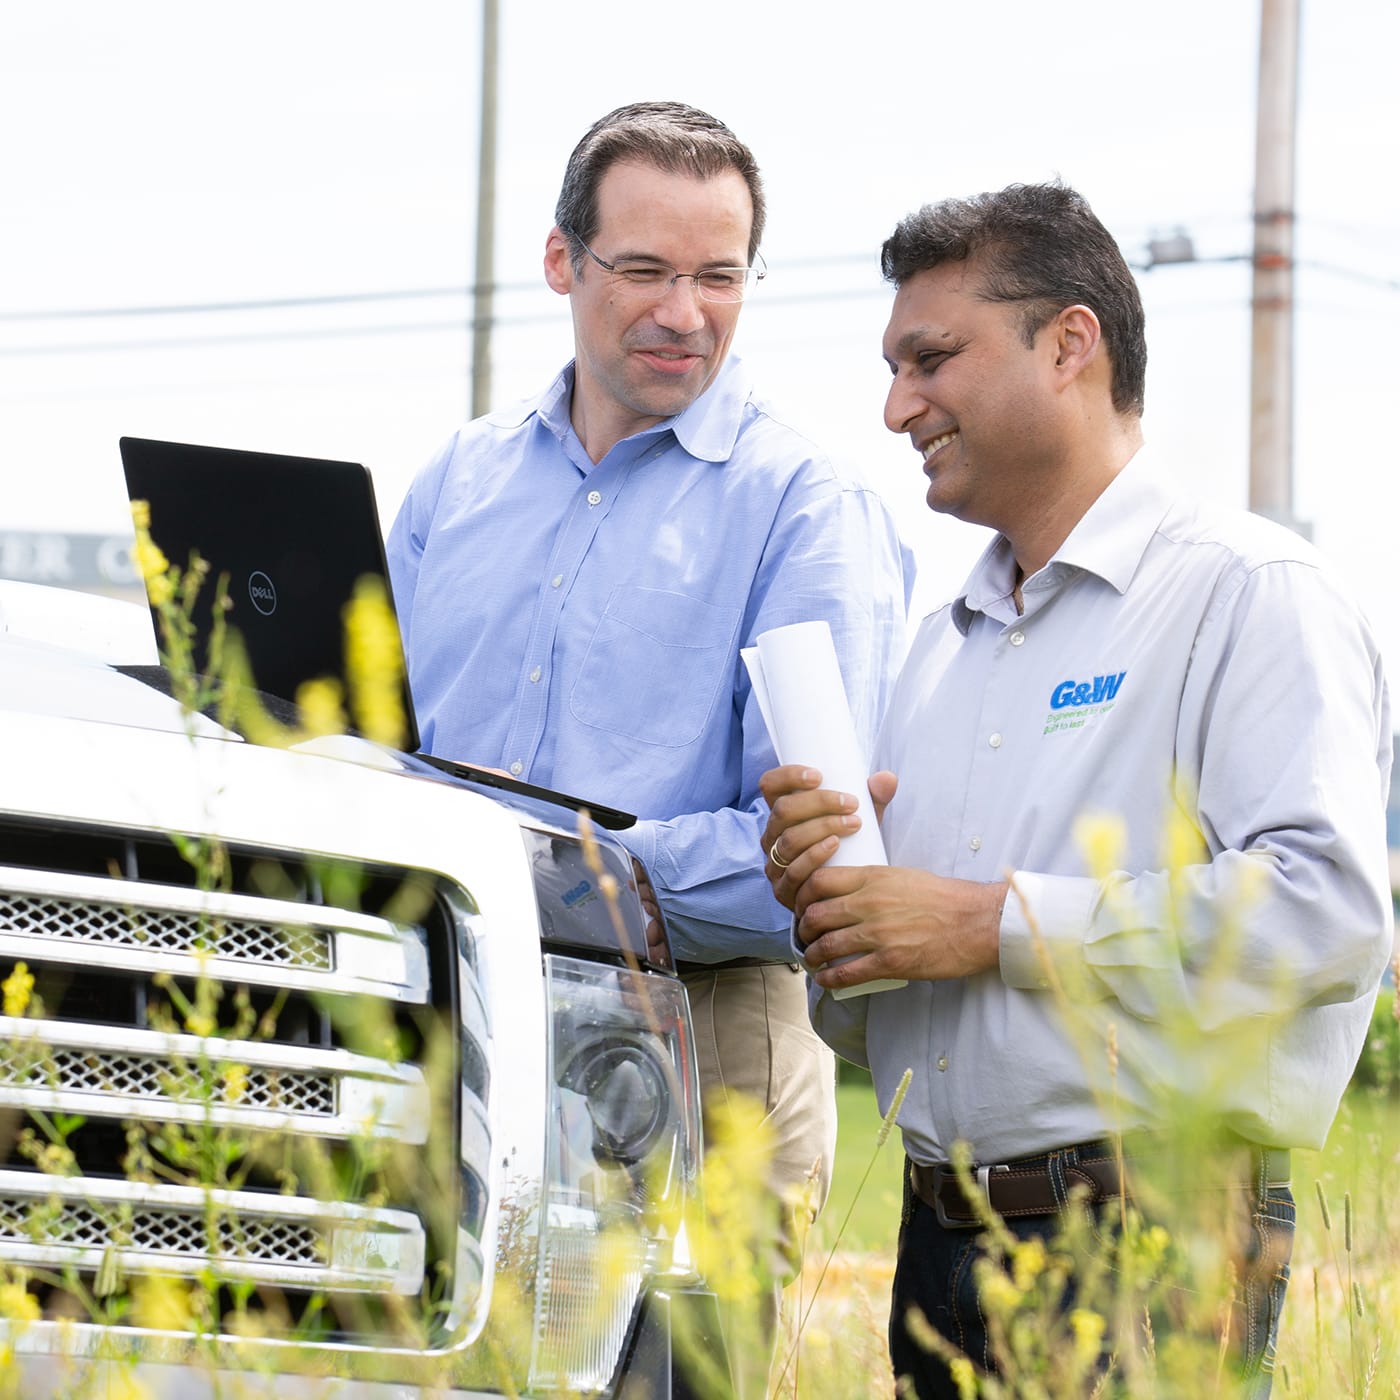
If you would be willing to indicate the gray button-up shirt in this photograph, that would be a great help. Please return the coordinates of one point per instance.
(1181, 748)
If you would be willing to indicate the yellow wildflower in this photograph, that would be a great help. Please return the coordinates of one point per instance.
(1028, 1261)
(18, 988)
(200, 1022)
(1184, 844)
(160, 589)
(1103, 839)
(964, 1377)
(736, 1166)
(150, 558)
(54, 1159)
(17, 1303)
(319, 703)
(374, 663)
(151, 562)
(235, 1083)
(1088, 1329)
(998, 1292)
(1152, 1246)
(161, 1303)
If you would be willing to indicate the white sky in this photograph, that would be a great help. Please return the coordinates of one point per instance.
(165, 152)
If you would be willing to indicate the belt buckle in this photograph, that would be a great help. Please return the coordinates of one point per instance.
(1275, 1166)
(942, 1174)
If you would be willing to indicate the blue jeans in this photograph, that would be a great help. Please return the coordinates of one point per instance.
(935, 1273)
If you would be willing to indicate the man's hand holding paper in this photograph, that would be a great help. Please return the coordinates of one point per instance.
(789, 667)
(865, 925)
(861, 923)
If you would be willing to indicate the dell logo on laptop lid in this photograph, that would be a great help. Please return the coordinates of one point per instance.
(262, 593)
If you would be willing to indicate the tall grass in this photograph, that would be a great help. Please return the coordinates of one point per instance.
(1340, 1335)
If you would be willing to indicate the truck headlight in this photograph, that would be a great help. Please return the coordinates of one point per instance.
(629, 1094)
(622, 1155)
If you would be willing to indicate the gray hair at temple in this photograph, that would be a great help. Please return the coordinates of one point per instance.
(675, 138)
(1041, 245)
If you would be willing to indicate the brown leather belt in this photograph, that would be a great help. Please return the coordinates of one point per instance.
(1027, 1188)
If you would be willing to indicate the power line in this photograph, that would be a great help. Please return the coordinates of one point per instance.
(248, 337)
(263, 304)
(767, 299)
(93, 347)
(202, 308)
(428, 293)
(1334, 269)
(1351, 274)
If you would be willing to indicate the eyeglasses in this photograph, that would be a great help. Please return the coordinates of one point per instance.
(654, 280)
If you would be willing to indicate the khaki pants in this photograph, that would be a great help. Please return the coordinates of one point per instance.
(753, 1037)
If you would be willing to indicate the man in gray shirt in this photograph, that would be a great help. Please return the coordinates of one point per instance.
(1137, 856)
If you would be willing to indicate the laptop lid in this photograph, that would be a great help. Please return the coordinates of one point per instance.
(292, 534)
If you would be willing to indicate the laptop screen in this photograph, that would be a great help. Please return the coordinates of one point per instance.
(293, 535)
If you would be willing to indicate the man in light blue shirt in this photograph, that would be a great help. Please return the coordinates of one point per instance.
(575, 578)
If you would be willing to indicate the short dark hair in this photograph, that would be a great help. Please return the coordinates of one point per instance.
(1041, 245)
(675, 138)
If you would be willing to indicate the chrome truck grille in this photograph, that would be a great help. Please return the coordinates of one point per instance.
(85, 915)
(278, 1088)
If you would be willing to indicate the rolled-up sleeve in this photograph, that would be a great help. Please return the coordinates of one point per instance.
(1284, 903)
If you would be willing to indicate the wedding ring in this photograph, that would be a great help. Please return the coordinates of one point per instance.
(776, 858)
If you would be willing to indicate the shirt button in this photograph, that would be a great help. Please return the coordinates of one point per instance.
(595, 498)
(995, 741)
(1017, 638)
(535, 674)
(517, 768)
(942, 1062)
(556, 580)
(975, 844)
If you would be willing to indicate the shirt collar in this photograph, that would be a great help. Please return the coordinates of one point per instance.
(990, 582)
(707, 429)
(1109, 541)
(553, 404)
(1113, 534)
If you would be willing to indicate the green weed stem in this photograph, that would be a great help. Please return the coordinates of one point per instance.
(886, 1126)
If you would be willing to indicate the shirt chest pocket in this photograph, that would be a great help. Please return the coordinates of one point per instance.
(656, 667)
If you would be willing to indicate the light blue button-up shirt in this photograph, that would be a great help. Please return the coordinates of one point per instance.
(579, 625)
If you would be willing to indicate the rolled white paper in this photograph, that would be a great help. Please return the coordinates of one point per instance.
(797, 682)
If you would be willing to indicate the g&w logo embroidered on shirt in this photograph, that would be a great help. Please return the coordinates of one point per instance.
(1073, 704)
(1093, 692)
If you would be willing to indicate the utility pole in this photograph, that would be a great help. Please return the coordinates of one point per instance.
(1271, 374)
(484, 283)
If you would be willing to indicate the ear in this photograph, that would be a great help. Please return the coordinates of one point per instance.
(558, 265)
(1076, 341)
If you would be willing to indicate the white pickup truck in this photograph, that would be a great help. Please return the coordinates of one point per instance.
(321, 1072)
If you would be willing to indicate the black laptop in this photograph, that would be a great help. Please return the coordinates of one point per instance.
(294, 535)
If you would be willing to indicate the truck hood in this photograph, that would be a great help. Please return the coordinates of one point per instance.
(58, 651)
